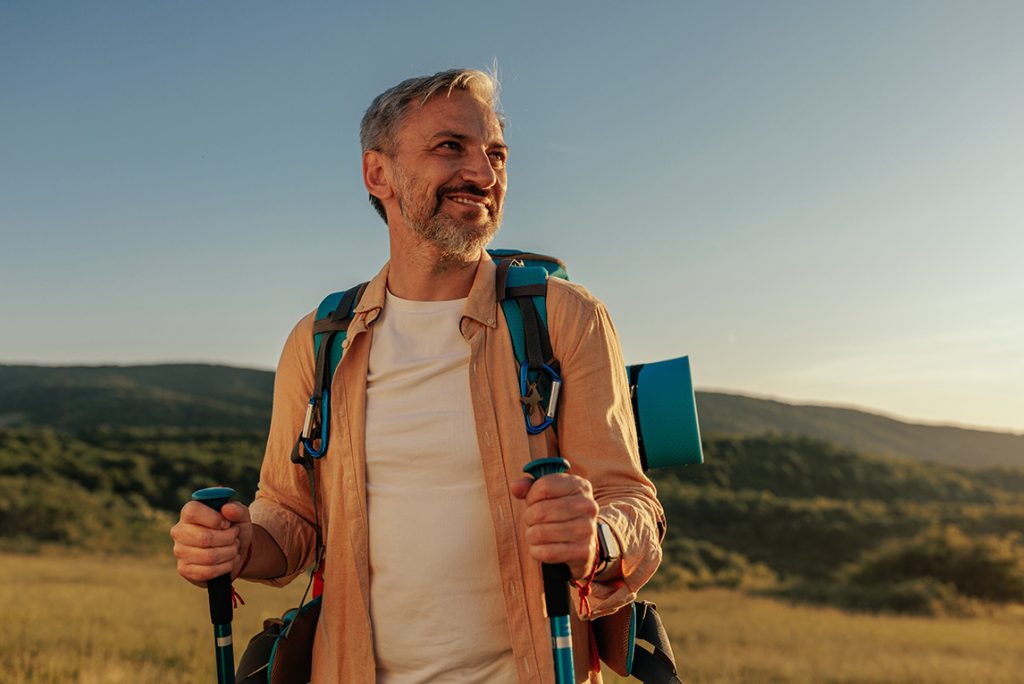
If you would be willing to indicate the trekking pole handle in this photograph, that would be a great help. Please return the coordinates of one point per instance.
(218, 591)
(556, 586)
(218, 588)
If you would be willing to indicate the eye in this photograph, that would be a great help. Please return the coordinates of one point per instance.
(499, 158)
(452, 145)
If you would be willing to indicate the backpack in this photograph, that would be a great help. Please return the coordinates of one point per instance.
(665, 416)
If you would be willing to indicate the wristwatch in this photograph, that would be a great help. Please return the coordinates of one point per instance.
(608, 553)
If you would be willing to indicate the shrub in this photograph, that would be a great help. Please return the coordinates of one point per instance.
(920, 596)
(986, 567)
(698, 564)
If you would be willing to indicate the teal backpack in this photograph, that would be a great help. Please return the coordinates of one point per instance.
(665, 416)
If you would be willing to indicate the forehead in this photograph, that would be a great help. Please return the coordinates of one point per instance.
(458, 112)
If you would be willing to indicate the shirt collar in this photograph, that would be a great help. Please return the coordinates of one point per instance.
(481, 305)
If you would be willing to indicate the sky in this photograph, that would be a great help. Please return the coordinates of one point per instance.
(817, 202)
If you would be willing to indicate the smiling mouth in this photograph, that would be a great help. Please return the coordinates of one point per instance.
(468, 201)
(466, 195)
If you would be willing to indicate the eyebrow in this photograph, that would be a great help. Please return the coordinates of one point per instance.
(447, 133)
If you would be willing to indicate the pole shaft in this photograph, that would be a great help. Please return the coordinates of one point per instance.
(224, 653)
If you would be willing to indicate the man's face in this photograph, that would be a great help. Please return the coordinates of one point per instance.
(448, 172)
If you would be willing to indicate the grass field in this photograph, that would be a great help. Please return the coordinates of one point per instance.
(91, 619)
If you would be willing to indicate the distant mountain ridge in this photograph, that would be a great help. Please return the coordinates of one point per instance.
(861, 431)
(74, 398)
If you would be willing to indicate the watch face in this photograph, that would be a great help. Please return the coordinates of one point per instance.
(609, 547)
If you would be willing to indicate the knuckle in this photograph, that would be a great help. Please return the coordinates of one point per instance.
(543, 554)
(535, 514)
(207, 557)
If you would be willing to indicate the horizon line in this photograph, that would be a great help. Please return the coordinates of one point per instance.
(749, 394)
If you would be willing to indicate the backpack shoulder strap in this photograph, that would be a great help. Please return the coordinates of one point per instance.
(329, 332)
(522, 293)
(657, 666)
(553, 265)
(331, 328)
(618, 637)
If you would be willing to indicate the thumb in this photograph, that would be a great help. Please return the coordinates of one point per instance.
(521, 487)
(235, 512)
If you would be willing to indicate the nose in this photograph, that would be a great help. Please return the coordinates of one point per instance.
(477, 168)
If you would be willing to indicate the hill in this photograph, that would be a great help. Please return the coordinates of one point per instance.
(867, 433)
(75, 398)
(103, 457)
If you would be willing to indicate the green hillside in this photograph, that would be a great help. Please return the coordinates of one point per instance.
(75, 398)
(867, 433)
(787, 502)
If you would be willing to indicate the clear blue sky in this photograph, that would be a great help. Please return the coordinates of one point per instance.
(816, 201)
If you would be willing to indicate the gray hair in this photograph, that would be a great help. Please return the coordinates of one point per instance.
(379, 127)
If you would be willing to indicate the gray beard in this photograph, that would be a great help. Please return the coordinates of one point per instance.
(458, 243)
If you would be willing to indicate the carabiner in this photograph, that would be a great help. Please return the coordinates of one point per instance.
(325, 419)
(524, 389)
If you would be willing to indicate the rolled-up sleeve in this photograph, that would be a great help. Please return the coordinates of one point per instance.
(596, 434)
(283, 505)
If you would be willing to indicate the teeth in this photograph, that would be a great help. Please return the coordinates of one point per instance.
(462, 200)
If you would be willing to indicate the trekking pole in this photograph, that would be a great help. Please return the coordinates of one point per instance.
(556, 588)
(219, 591)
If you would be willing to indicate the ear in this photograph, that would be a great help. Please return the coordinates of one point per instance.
(375, 176)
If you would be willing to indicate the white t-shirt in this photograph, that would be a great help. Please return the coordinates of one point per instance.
(435, 595)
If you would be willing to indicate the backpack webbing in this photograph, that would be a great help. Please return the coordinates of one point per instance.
(521, 288)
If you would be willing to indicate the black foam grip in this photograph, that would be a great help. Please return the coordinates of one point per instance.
(219, 592)
(556, 589)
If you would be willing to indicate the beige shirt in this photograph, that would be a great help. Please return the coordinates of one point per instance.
(595, 433)
(427, 506)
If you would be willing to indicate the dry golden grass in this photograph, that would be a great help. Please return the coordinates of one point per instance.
(97, 620)
(723, 637)
(92, 619)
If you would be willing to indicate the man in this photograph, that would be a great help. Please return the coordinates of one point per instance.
(434, 536)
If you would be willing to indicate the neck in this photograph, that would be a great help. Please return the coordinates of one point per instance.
(421, 272)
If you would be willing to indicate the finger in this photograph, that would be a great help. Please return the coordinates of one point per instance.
(203, 537)
(198, 513)
(235, 512)
(214, 555)
(558, 485)
(577, 557)
(200, 574)
(560, 510)
(521, 487)
(580, 531)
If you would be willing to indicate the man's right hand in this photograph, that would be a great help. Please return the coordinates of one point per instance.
(208, 543)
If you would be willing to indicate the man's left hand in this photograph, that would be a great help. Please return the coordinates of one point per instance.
(561, 520)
